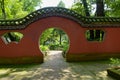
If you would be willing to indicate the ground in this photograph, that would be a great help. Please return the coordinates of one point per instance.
(56, 68)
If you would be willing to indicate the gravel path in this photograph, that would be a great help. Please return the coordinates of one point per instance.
(56, 68)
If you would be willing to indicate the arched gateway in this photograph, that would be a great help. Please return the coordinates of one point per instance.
(90, 38)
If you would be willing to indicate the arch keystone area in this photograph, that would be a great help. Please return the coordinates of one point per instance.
(75, 25)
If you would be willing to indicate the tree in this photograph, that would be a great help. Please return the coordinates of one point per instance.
(112, 8)
(29, 5)
(79, 8)
(99, 12)
(83, 7)
(59, 34)
(46, 35)
(53, 39)
(61, 4)
(2, 6)
(14, 9)
(99, 8)
(109, 8)
(86, 7)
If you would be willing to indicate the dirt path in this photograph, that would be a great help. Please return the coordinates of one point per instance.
(56, 68)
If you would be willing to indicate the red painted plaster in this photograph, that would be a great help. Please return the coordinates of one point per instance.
(29, 45)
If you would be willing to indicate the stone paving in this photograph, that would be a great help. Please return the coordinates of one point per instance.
(56, 68)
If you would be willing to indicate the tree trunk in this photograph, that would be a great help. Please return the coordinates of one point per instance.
(86, 7)
(97, 35)
(12, 38)
(99, 12)
(3, 9)
(91, 35)
(100, 8)
(60, 38)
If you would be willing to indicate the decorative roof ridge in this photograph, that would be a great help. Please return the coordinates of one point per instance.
(59, 12)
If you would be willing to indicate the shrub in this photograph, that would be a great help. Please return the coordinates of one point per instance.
(44, 48)
(115, 61)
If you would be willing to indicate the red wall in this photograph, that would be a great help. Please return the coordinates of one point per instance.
(27, 50)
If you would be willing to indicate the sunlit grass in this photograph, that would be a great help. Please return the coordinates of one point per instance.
(4, 71)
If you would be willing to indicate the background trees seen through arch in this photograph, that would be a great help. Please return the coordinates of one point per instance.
(54, 39)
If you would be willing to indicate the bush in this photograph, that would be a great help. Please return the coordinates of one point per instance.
(44, 48)
(115, 61)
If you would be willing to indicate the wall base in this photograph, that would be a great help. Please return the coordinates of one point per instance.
(90, 56)
(21, 60)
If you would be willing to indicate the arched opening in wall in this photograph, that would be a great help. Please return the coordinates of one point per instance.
(52, 40)
(12, 37)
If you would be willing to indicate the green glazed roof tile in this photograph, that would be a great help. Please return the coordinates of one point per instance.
(60, 12)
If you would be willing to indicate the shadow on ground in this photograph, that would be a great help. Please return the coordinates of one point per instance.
(56, 68)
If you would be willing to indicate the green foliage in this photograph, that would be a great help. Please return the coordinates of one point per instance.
(113, 8)
(79, 8)
(46, 36)
(18, 8)
(54, 39)
(44, 48)
(61, 4)
(65, 47)
(95, 35)
(12, 36)
(115, 61)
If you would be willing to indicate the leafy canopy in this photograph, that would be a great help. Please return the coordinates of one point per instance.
(15, 9)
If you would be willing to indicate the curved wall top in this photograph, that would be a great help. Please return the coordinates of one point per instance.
(60, 12)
